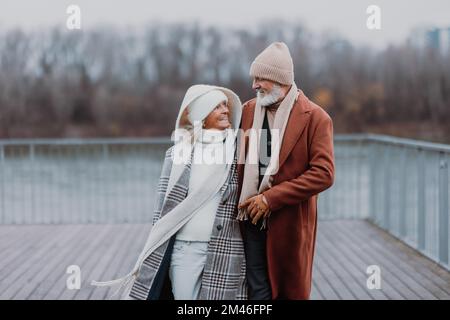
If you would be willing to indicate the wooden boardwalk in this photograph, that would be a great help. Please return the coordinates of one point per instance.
(34, 259)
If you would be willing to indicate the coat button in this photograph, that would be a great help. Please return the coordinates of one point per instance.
(219, 227)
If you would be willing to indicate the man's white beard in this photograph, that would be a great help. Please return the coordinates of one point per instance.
(271, 97)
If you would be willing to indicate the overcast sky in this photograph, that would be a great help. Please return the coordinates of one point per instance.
(348, 17)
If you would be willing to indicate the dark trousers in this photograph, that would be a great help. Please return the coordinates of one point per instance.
(256, 261)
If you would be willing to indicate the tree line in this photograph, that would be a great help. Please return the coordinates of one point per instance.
(119, 82)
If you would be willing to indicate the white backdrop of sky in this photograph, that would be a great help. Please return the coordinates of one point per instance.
(346, 17)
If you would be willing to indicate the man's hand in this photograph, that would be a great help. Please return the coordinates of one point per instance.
(257, 207)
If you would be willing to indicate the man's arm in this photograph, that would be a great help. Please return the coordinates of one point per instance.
(320, 175)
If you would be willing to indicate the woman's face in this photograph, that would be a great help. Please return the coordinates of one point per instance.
(218, 118)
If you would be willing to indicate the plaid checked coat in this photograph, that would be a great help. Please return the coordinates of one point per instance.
(224, 274)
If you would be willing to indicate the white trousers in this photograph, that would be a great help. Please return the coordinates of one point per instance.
(186, 268)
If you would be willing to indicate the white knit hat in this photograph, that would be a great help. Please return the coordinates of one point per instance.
(191, 109)
(274, 63)
(201, 107)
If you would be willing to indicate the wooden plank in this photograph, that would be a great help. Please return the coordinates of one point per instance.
(413, 279)
(120, 260)
(315, 291)
(103, 261)
(51, 268)
(34, 260)
(354, 257)
(55, 283)
(44, 267)
(57, 287)
(323, 285)
(390, 272)
(22, 272)
(24, 241)
(346, 279)
(6, 231)
(333, 278)
(414, 261)
(354, 276)
(21, 236)
(140, 234)
(388, 278)
(89, 260)
(415, 276)
(21, 252)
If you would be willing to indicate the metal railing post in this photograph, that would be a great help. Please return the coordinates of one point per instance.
(443, 209)
(421, 221)
(33, 196)
(2, 183)
(403, 186)
(387, 188)
(372, 182)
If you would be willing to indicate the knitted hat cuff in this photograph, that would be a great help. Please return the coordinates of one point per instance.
(265, 71)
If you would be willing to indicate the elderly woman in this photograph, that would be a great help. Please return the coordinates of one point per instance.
(195, 250)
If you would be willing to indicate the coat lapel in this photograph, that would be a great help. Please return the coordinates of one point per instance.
(246, 124)
(298, 119)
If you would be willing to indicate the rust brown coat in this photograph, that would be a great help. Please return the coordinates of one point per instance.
(306, 168)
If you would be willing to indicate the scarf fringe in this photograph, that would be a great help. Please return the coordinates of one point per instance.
(243, 216)
(124, 283)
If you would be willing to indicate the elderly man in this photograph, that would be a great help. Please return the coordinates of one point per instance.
(292, 140)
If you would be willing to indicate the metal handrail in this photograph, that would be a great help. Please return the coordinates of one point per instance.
(401, 185)
(88, 141)
(432, 146)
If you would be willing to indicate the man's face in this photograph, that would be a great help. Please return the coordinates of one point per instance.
(267, 91)
(262, 86)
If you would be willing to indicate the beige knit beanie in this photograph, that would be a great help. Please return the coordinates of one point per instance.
(274, 63)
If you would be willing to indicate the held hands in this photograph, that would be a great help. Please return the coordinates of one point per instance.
(257, 207)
